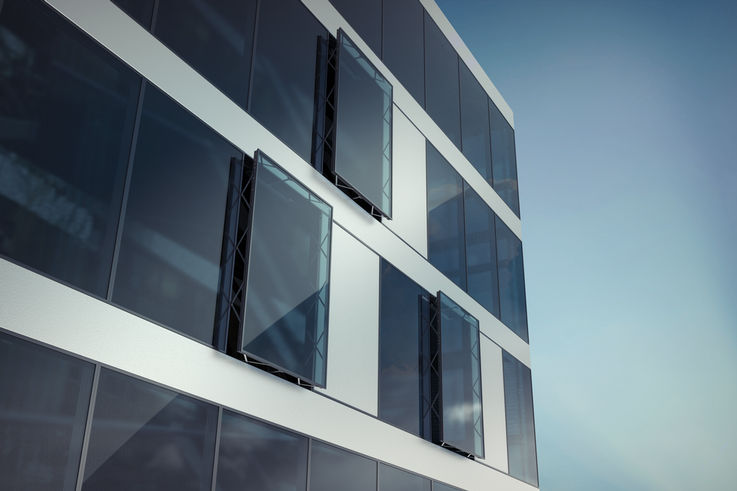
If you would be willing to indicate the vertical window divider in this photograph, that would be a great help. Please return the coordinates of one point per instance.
(216, 457)
(309, 463)
(154, 15)
(126, 189)
(88, 428)
(253, 55)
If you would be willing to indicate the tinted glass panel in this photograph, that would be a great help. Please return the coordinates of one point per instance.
(462, 425)
(255, 456)
(475, 123)
(365, 17)
(215, 38)
(441, 82)
(504, 158)
(393, 479)
(363, 155)
(333, 469)
(141, 10)
(483, 284)
(436, 486)
(68, 109)
(445, 245)
(168, 268)
(287, 283)
(404, 44)
(144, 437)
(512, 301)
(520, 420)
(44, 397)
(403, 382)
(285, 71)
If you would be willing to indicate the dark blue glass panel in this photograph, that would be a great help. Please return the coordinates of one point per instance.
(169, 262)
(404, 44)
(363, 141)
(503, 158)
(285, 72)
(44, 396)
(393, 479)
(445, 243)
(521, 447)
(140, 10)
(287, 281)
(147, 438)
(215, 38)
(255, 456)
(441, 82)
(365, 17)
(483, 284)
(67, 109)
(512, 303)
(462, 424)
(333, 469)
(404, 391)
(475, 123)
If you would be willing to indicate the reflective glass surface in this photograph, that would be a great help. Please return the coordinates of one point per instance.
(288, 270)
(255, 456)
(147, 438)
(512, 300)
(285, 72)
(521, 447)
(462, 425)
(44, 396)
(333, 469)
(437, 486)
(445, 243)
(403, 349)
(169, 262)
(483, 284)
(441, 82)
(504, 158)
(140, 10)
(365, 17)
(67, 109)
(215, 38)
(475, 123)
(363, 155)
(404, 44)
(393, 479)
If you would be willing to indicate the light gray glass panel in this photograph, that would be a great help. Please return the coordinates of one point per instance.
(512, 300)
(363, 155)
(393, 479)
(462, 420)
(255, 456)
(521, 447)
(333, 469)
(44, 396)
(288, 275)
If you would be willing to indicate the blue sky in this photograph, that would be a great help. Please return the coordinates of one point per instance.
(626, 124)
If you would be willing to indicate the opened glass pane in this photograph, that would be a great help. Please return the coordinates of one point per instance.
(140, 10)
(215, 38)
(363, 155)
(445, 235)
(483, 284)
(404, 353)
(521, 447)
(285, 72)
(255, 456)
(441, 82)
(393, 479)
(503, 158)
(288, 270)
(365, 17)
(333, 469)
(148, 438)
(44, 396)
(169, 262)
(512, 301)
(68, 109)
(462, 424)
(404, 44)
(475, 123)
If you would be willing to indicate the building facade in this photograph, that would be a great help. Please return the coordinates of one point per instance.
(257, 244)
